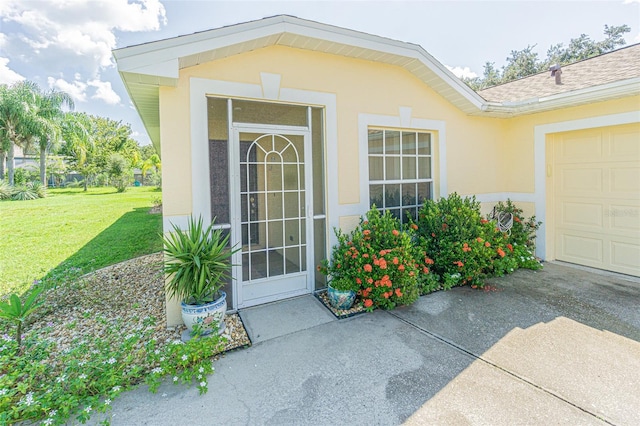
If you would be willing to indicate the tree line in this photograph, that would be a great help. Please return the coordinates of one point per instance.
(525, 62)
(44, 122)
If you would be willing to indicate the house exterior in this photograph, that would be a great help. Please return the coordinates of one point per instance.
(284, 129)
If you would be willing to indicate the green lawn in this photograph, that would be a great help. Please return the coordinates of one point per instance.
(72, 232)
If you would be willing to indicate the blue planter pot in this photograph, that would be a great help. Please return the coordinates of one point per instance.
(341, 299)
(209, 317)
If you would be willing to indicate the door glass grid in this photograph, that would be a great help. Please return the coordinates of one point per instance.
(272, 200)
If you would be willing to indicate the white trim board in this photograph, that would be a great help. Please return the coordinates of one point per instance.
(540, 141)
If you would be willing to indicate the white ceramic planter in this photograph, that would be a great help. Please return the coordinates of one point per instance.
(210, 317)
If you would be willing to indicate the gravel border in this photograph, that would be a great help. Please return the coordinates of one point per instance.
(356, 309)
(130, 291)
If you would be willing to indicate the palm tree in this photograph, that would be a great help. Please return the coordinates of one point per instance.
(16, 118)
(49, 116)
(151, 163)
(29, 116)
(79, 137)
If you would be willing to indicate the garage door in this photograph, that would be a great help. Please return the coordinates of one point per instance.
(596, 189)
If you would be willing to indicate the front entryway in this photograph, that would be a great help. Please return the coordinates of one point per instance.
(272, 203)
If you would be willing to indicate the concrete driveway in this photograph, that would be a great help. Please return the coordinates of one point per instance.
(558, 346)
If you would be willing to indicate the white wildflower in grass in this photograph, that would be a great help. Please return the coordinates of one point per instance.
(161, 359)
(53, 413)
(177, 342)
(47, 422)
(184, 357)
(203, 384)
(61, 378)
(157, 352)
(116, 389)
(199, 376)
(157, 370)
(81, 363)
(175, 379)
(3, 392)
(82, 376)
(129, 336)
(201, 370)
(27, 399)
(111, 361)
(107, 401)
(87, 409)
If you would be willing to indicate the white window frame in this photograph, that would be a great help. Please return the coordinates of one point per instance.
(402, 121)
(400, 156)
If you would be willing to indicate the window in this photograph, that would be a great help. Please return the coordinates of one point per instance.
(400, 171)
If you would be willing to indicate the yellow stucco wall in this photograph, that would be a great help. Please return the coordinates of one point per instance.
(360, 87)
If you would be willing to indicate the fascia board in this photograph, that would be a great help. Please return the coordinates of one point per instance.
(618, 89)
(161, 58)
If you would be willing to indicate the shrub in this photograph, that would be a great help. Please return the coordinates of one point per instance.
(453, 233)
(521, 236)
(378, 259)
(6, 190)
(28, 191)
(467, 248)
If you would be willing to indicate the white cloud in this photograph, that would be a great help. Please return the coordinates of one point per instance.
(80, 31)
(7, 75)
(636, 39)
(630, 1)
(76, 89)
(104, 92)
(462, 72)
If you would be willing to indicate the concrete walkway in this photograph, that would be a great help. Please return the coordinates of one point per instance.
(560, 346)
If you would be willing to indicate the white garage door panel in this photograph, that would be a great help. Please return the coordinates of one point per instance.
(581, 248)
(625, 179)
(582, 214)
(580, 179)
(624, 218)
(596, 189)
(625, 256)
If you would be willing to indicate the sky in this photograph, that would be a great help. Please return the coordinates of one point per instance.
(66, 44)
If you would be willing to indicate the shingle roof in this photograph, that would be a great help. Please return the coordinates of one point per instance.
(621, 64)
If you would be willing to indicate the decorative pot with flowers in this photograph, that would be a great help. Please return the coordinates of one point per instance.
(198, 265)
(342, 293)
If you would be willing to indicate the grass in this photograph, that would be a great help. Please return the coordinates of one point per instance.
(72, 232)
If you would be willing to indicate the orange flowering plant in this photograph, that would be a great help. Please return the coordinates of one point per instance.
(377, 258)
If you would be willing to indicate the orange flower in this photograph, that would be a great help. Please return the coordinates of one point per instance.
(370, 281)
(486, 244)
(401, 268)
(483, 221)
(479, 240)
(383, 252)
(395, 232)
(395, 260)
(510, 247)
(358, 280)
(386, 295)
(433, 234)
(466, 247)
(367, 267)
(368, 303)
(366, 232)
(428, 261)
(398, 292)
(383, 264)
(501, 252)
(460, 264)
(366, 292)
(425, 269)
(414, 226)
(366, 255)
(516, 218)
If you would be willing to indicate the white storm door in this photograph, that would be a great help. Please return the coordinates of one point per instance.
(272, 216)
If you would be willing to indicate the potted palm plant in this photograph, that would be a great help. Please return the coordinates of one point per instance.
(198, 265)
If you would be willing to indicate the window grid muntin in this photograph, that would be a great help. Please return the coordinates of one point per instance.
(383, 151)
